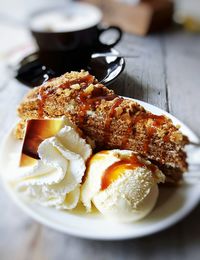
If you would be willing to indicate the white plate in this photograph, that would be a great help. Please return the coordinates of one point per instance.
(173, 204)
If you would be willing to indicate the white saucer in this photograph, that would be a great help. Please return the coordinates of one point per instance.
(173, 204)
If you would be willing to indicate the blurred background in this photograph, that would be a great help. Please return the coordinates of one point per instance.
(134, 16)
(165, 35)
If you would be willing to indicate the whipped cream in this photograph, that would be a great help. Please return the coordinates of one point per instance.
(55, 179)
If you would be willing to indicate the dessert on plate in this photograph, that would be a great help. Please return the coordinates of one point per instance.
(81, 143)
(111, 121)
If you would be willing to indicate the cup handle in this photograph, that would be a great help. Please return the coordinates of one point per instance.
(108, 46)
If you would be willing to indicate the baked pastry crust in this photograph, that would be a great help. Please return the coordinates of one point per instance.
(111, 121)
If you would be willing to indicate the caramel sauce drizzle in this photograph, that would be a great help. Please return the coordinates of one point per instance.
(166, 138)
(129, 131)
(116, 170)
(44, 93)
(98, 156)
(112, 112)
(109, 118)
(88, 79)
(90, 102)
(150, 131)
(157, 120)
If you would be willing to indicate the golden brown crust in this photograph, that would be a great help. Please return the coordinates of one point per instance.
(112, 121)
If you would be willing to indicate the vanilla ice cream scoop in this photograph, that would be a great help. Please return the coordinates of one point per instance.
(121, 185)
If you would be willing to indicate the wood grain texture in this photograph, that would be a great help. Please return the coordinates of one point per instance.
(144, 76)
(182, 59)
(166, 74)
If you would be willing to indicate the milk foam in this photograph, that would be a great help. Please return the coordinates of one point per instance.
(74, 17)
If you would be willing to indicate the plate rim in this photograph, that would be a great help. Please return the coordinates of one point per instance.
(171, 220)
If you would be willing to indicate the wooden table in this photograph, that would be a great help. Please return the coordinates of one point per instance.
(166, 74)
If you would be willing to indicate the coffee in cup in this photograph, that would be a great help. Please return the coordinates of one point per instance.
(67, 36)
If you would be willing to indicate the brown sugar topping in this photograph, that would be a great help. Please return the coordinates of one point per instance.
(111, 114)
(89, 102)
(42, 98)
(166, 138)
(88, 79)
(157, 120)
(44, 93)
(151, 130)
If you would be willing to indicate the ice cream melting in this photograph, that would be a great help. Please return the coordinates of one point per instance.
(54, 180)
(121, 185)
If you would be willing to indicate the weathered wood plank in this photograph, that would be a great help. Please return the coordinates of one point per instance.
(183, 76)
(144, 76)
